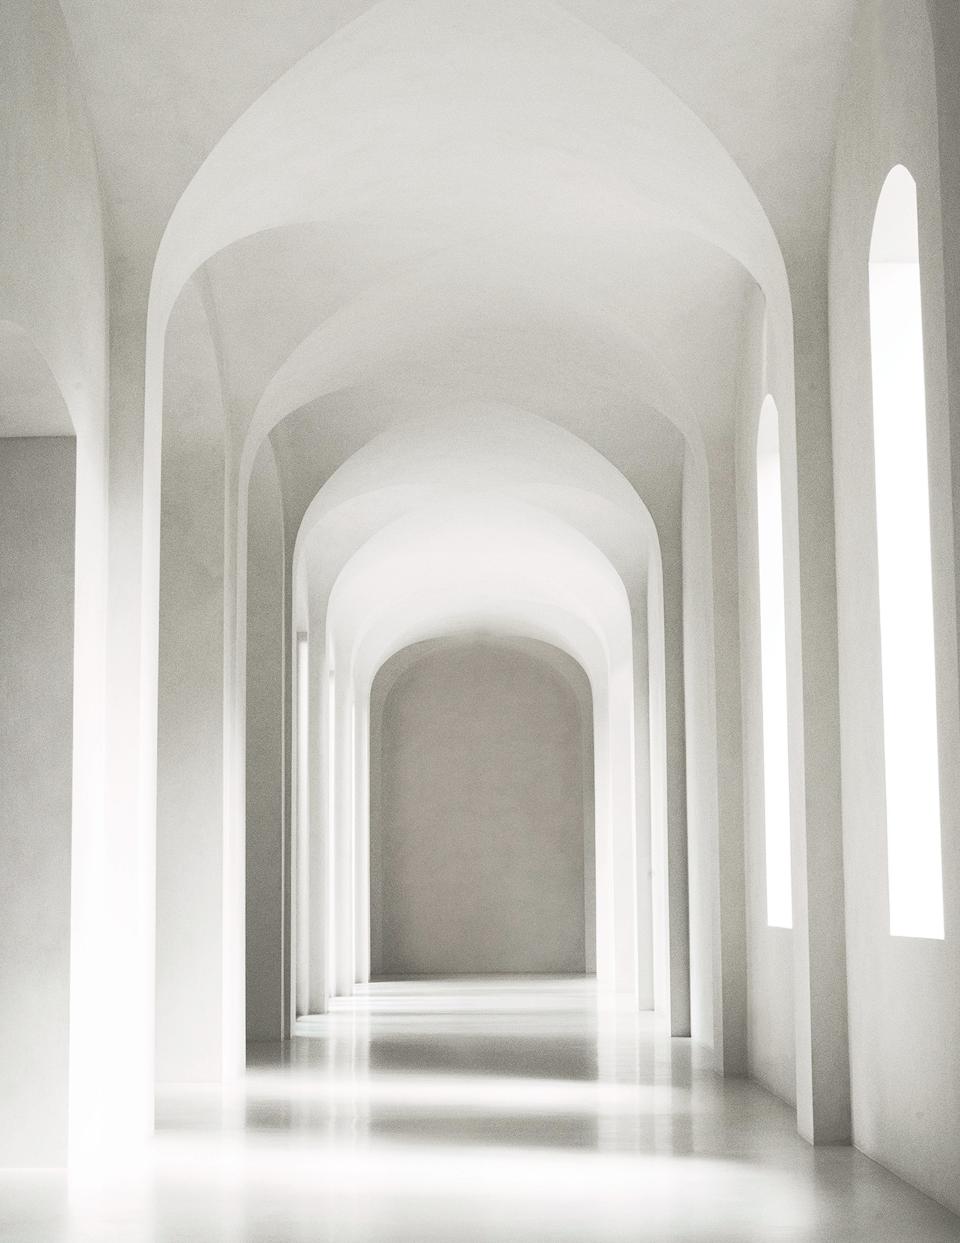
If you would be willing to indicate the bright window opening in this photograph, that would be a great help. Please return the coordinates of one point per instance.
(303, 729)
(303, 815)
(331, 727)
(773, 661)
(907, 658)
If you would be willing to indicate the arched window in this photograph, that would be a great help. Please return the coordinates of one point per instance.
(773, 659)
(907, 658)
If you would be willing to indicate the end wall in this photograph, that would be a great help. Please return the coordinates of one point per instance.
(478, 830)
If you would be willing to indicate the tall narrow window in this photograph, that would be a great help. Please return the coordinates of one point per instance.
(303, 728)
(907, 660)
(773, 670)
(303, 825)
(330, 924)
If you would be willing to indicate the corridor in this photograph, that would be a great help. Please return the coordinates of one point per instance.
(479, 508)
(480, 1109)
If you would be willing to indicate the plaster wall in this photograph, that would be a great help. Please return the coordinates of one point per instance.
(265, 838)
(51, 246)
(663, 657)
(478, 830)
(53, 289)
(37, 478)
(190, 751)
(904, 997)
(540, 590)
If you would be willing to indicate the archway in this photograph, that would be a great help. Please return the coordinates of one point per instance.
(480, 845)
(439, 571)
(234, 197)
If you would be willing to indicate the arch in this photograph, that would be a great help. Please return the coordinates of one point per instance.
(455, 466)
(904, 564)
(409, 312)
(247, 185)
(342, 92)
(463, 452)
(264, 174)
(522, 594)
(509, 721)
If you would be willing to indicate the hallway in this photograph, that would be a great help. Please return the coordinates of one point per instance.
(479, 507)
(481, 1109)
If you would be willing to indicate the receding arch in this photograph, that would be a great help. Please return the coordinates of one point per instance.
(248, 185)
(444, 545)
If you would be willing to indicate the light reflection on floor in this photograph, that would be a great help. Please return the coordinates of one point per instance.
(508, 1110)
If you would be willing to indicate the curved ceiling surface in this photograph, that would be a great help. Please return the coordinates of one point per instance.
(490, 202)
(165, 82)
(426, 122)
(462, 463)
(555, 206)
(492, 563)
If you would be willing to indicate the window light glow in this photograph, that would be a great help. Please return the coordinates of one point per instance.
(773, 659)
(907, 654)
(303, 812)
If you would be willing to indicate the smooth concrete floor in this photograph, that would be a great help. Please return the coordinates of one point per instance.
(453, 1111)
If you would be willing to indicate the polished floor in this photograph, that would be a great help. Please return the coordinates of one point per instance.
(507, 1110)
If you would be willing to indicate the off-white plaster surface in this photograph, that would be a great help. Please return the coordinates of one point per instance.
(770, 1002)
(266, 866)
(37, 497)
(904, 992)
(190, 751)
(446, 552)
(479, 840)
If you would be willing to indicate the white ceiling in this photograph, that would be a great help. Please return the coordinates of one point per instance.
(417, 208)
(164, 79)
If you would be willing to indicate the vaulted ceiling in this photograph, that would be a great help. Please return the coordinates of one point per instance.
(417, 208)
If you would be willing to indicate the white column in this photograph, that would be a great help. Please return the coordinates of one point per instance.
(820, 981)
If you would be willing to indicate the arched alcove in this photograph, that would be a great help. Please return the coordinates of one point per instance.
(481, 811)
